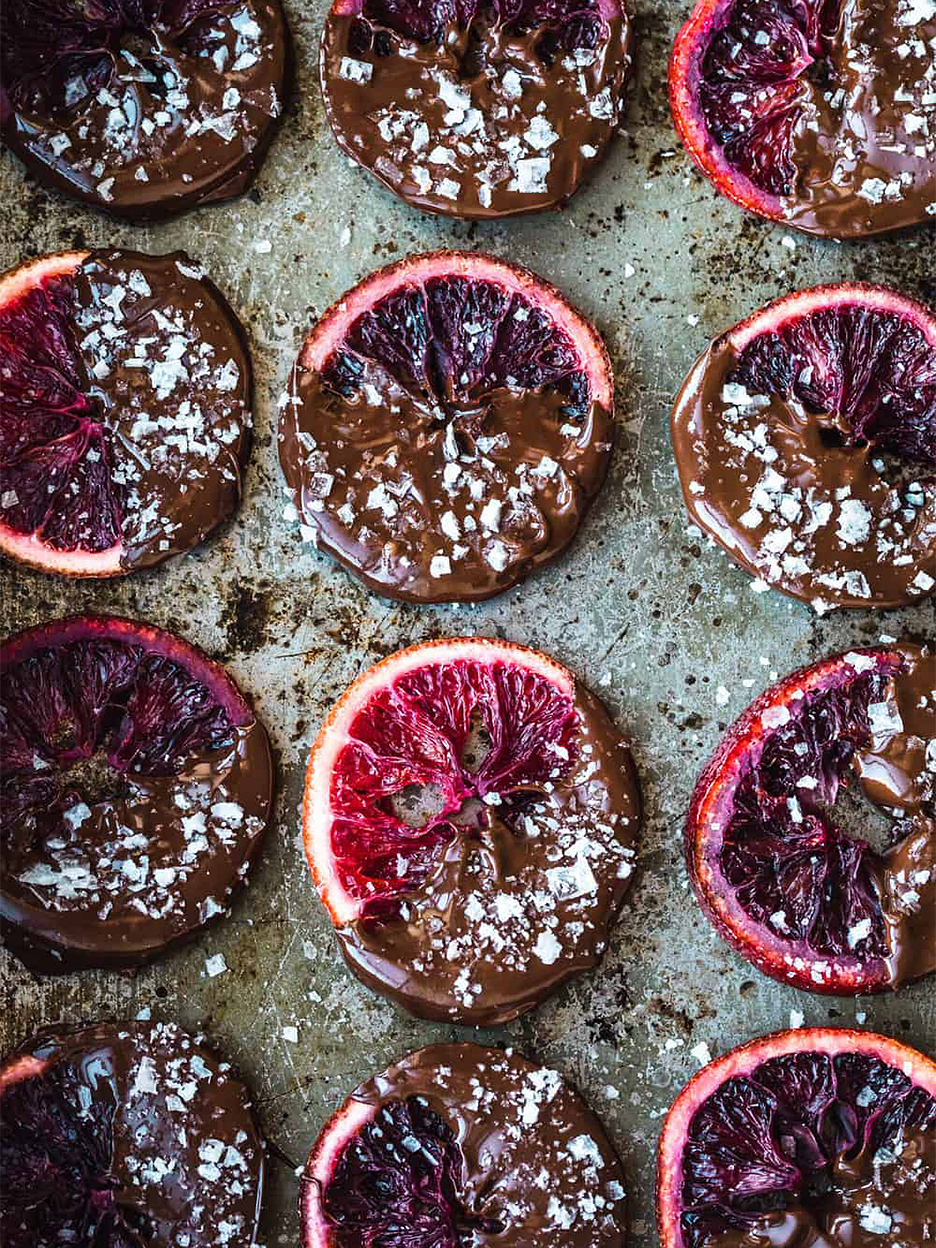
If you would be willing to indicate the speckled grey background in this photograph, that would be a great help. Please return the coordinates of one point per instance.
(648, 614)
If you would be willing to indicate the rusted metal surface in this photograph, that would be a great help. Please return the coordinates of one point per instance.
(649, 615)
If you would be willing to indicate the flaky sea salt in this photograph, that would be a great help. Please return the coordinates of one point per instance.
(547, 948)
(355, 71)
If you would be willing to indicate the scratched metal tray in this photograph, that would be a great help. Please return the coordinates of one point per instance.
(650, 616)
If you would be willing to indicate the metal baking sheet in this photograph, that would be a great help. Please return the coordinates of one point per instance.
(649, 615)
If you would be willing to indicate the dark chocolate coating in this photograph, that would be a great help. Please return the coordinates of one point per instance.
(173, 1148)
(821, 119)
(510, 134)
(179, 114)
(537, 1161)
(191, 425)
(898, 772)
(865, 144)
(880, 1198)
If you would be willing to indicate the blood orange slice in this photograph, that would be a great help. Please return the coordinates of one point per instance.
(801, 897)
(143, 109)
(457, 1145)
(811, 112)
(120, 1135)
(447, 425)
(805, 439)
(469, 819)
(817, 1138)
(124, 412)
(476, 109)
(136, 788)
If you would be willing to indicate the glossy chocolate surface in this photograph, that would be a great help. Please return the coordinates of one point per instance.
(150, 1139)
(884, 1198)
(521, 899)
(161, 382)
(481, 120)
(536, 1162)
(441, 497)
(821, 116)
(898, 772)
(795, 499)
(147, 122)
(865, 140)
